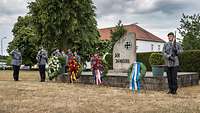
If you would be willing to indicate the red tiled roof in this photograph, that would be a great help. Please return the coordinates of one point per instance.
(141, 34)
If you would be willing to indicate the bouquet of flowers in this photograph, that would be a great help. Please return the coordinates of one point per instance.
(54, 67)
(74, 69)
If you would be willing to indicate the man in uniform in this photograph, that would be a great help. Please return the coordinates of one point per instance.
(16, 62)
(171, 50)
(42, 59)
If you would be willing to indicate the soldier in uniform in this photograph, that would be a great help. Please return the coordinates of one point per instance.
(42, 59)
(16, 62)
(57, 53)
(171, 50)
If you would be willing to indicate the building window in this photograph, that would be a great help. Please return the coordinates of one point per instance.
(158, 47)
(151, 47)
(136, 48)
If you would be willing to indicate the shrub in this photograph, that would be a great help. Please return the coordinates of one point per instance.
(109, 60)
(156, 59)
(62, 60)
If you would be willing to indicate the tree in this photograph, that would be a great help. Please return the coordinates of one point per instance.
(117, 33)
(65, 24)
(190, 30)
(103, 47)
(106, 46)
(25, 40)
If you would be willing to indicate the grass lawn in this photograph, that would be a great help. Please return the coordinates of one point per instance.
(31, 96)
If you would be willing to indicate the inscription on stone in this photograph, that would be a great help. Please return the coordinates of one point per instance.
(117, 55)
(122, 61)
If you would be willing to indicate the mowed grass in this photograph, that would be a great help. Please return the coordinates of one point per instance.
(31, 96)
(23, 75)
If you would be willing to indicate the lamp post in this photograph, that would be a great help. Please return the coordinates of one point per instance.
(2, 45)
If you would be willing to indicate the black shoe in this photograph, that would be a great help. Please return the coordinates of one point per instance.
(174, 92)
(169, 92)
(42, 80)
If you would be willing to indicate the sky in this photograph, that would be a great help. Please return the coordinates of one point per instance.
(156, 16)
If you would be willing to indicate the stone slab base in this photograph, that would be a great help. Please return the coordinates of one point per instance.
(149, 82)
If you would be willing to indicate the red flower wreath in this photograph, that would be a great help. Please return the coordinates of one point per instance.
(73, 67)
(97, 63)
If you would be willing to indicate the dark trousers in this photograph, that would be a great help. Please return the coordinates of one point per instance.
(42, 72)
(16, 72)
(94, 75)
(172, 78)
(66, 69)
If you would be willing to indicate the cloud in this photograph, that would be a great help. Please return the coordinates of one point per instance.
(105, 8)
(8, 19)
(166, 6)
(12, 7)
(9, 12)
(157, 16)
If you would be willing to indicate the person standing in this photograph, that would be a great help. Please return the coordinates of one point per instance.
(92, 62)
(171, 50)
(65, 57)
(16, 62)
(78, 58)
(42, 59)
(96, 64)
(69, 55)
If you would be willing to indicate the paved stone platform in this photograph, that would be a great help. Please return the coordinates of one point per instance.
(150, 82)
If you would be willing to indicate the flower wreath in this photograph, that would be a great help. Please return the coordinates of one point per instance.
(54, 67)
(74, 68)
(102, 65)
(143, 71)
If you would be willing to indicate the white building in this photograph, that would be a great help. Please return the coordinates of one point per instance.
(145, 41)
(148, 46)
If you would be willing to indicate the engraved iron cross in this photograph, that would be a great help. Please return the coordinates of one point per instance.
(128, 45)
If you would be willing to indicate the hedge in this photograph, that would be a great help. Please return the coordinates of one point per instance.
(3, 57)
(189, 60)
(144, 58)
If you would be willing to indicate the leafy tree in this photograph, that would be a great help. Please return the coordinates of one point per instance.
(190, 30)
(104, 47)
(65, 24)
(117, 33)
(107, 46)
(9, 60)
(25, 40)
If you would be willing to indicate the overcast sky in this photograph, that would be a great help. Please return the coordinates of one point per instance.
(157, 16)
